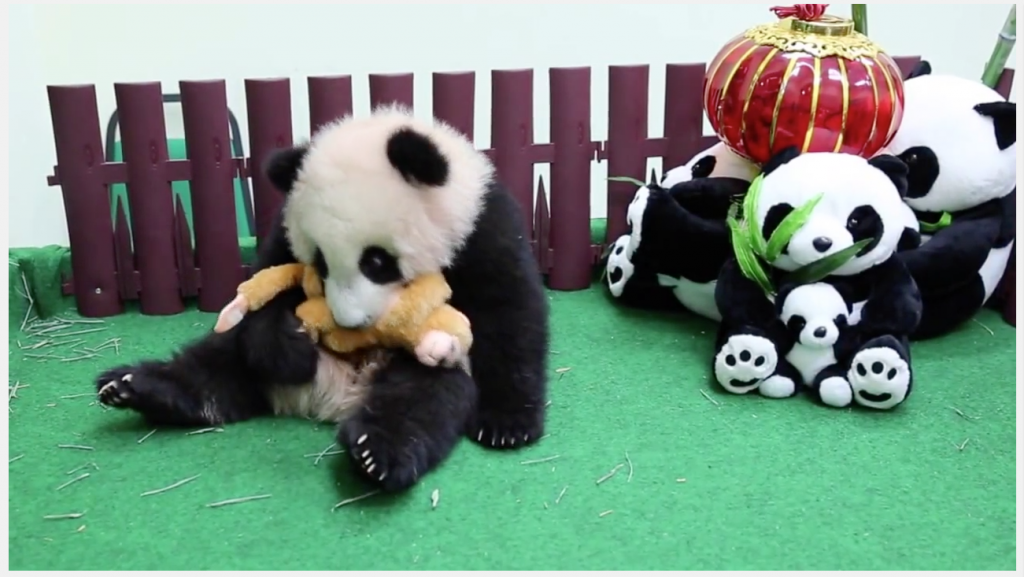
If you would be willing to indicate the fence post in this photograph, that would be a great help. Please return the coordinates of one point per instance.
(391, 89)
(684, 114)
(627, 131)
(205, 108)
(512, 136)
(144, 139)
(76, 136)
(569, 239)
(454, 98)
(330, 98)
(269, 109)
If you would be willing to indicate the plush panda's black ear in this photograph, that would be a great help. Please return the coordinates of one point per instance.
(922, 68)
(781, 157)
(894, 168)
(1004, 117)
(417, 158)
(282, 166)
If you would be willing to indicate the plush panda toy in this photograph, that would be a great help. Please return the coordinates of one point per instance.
(372, 202)
(767, 344)
(678, 239)
(959, 139)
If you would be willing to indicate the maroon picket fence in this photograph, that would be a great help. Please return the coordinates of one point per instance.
(157, 264)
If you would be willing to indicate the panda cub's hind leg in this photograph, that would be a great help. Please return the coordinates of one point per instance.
(410, 421)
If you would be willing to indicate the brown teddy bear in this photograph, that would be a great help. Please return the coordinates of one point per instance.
(420, 321)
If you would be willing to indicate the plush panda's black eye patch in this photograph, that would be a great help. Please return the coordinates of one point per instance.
(774, 218)
(379, 266)
(320, 264)
(704, 167)
(864, 223)
(923, 170)
(795, 324)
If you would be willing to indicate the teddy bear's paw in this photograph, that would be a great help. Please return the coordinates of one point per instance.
(879, 377)
(619, 268)
(777, 387)
(439, 348)
(835, 392)
(231, 314)
(744, 362)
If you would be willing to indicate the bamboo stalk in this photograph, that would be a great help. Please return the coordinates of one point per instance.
(1001, 53)
(860, 18)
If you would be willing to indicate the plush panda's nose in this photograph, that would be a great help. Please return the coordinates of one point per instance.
(820, 332)
(822, 243)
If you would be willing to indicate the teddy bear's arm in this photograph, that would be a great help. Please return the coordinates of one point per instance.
(270, 282)
(416, 303)
(444, 319)
(318, 321)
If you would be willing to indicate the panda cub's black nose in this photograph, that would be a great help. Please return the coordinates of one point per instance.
(820, 332)
(822, 243)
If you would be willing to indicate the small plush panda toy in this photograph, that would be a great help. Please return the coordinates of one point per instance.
(841, 330)
(959, 139)
(371, 203)
(678, 239)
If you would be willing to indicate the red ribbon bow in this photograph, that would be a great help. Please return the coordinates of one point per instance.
(805, 12)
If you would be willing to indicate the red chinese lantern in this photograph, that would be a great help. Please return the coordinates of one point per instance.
(807, 80)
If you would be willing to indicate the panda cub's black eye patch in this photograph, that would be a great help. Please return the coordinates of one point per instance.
(379, 265)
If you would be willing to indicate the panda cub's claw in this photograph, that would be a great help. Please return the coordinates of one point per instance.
(390, 463)
(507, 429)
(879, 378)
(744, 362)
(114, 387)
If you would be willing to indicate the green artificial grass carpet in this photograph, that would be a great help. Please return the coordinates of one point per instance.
(714, 483)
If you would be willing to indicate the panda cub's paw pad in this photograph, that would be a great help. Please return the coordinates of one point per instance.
(114, 387)
(835, 392)
(777, 387)
(439, 348)
(619, 268)
(879, 377)
(744, 362)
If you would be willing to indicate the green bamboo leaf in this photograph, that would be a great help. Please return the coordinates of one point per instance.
(757, 242)
(825, 266)
(930, 227)
(788, 227)
(746, 259)
(628, 179)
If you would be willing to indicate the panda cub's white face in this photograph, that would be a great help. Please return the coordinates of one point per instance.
(376, 201)
(858, 201)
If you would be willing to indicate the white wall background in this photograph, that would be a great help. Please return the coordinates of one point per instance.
(103, 44)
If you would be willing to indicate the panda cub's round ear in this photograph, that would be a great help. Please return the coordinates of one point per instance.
(894, 168)
(282, 166)
(417, 158)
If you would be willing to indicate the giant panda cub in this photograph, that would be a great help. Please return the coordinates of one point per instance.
(760, 348)
(372, 202)
(678, 238)
(959, 140)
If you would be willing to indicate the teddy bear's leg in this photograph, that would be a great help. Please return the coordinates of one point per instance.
(444, 339)
(342, 340)
(270, 282)
(880, 374)
(744, 359)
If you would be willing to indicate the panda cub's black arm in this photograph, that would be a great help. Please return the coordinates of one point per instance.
(894, 307)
